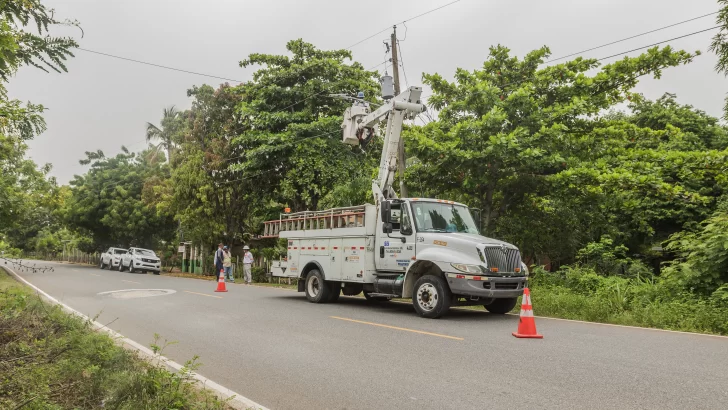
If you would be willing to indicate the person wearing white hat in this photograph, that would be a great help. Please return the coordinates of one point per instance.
(247, 265)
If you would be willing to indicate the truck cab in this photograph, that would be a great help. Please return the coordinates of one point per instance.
(421, 237)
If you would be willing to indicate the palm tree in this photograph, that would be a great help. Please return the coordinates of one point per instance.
(164, 134)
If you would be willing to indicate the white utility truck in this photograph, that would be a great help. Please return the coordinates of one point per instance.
(429, 250)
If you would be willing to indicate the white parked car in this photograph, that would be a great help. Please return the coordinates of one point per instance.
(140, 260)
(110, 258)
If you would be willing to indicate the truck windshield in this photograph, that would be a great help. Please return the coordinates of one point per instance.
(144, 252)
(439, 217)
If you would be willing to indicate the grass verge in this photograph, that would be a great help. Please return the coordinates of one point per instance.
(620, 301)
(52, 360)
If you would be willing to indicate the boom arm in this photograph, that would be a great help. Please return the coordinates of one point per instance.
(359, 124)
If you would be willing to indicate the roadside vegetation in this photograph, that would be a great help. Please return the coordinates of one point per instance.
(619, 203)
(51, 360)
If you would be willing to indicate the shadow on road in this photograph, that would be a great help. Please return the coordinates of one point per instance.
(397, 308)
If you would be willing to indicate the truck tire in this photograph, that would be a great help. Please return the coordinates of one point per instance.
(370, 298)
(334, 291)
(501, 306)
(431, 296)
(101, 265)
(131, 266)
(317, 291)
(121, 266)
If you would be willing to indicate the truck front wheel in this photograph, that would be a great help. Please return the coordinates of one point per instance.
(431, 297)
(501, 306)
(317, 290)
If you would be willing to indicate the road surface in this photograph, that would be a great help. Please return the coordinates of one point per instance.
(277, 349)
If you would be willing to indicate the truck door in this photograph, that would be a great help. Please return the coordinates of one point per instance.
(393, 254)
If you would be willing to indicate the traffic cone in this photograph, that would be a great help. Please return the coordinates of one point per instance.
(221, 282)
(526, 323)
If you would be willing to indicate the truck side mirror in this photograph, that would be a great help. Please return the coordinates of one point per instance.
(386, 208)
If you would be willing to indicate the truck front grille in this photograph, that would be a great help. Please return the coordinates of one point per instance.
(505, 259)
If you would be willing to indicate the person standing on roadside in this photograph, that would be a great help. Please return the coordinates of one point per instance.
(227, 264)
(247, 265)
(218, 260)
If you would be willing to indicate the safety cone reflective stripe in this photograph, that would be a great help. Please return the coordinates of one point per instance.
(526, 322)
(526, 313)
(221, 282)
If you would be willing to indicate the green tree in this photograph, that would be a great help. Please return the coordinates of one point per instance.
(165, 135)
(719, 45)
(508, 133)
(107, 202)
(26, 191)
(210, 201)
(291, 142)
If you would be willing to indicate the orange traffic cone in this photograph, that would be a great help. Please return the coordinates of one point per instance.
(526, 323)
(221, 282)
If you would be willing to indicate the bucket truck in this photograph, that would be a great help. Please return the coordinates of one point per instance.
(426, 250)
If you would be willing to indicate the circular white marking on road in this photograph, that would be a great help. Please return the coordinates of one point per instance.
(137, 293)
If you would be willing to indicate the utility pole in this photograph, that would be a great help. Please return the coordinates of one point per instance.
(400, 154)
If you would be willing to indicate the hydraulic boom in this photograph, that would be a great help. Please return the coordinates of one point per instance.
(359, 126)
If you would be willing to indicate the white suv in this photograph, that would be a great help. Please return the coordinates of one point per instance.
(110, 258)
(140, 260)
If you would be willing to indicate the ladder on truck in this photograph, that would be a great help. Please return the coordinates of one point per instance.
(348, 217)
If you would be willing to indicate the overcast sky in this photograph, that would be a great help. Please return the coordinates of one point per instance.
(103, 103)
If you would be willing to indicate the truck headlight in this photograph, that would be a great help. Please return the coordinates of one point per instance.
(524, 268)
(476, 269)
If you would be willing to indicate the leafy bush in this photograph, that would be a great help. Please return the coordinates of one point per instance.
(702, 263)
(259, 274)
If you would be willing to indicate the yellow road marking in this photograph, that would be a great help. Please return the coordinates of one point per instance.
(95, 274)
(202, 294)
(131, 281)
(397, 328)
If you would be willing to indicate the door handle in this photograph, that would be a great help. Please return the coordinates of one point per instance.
(381, 251)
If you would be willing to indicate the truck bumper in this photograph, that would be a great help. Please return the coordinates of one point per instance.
(486, 286)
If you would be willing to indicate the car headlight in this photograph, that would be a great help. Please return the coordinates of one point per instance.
(524, 268)
(476, 269)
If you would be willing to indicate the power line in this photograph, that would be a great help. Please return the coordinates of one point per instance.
(631, 37)
(361, 41)
(604, 58)
(158, 65)
(402, 22)
(401, 61)
(658, 43)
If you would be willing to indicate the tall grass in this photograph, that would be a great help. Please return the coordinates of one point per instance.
(581, 294)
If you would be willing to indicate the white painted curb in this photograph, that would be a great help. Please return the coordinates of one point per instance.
(237, 400)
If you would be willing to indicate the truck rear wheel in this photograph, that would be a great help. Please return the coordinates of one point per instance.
(317, 291)
(501, 306)
(431, 297)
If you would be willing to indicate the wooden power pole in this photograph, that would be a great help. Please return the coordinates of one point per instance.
(401, 158)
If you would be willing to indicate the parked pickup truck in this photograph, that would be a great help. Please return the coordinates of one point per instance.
(140, 260)
(110, 258)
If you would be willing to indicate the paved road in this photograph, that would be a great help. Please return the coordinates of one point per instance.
(277, 349)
